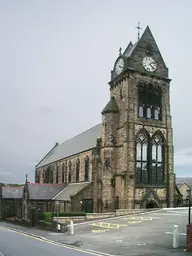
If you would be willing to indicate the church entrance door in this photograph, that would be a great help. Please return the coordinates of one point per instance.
(151, 204)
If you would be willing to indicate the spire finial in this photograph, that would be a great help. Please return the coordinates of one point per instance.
(120, 51)
(138, 27)
(26, 177)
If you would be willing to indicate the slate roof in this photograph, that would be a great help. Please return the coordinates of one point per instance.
(130, 48)
(181, 180)
(71, 190)
(84, 141)
(9, 192)
(44, 191)
(111, 107)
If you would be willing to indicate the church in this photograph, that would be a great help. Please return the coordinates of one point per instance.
(126, 161)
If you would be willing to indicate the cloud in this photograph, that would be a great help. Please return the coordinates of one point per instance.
(45, 110)
(183, 157)
(6, 173)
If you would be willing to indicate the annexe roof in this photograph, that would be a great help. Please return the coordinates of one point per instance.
(79, 143)
(9, 192)
(44, 191)
(71, 190)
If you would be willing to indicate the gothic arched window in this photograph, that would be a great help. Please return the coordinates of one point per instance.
(157, 170)
(69, 171)
(150, 100)
(140, 111)
(86, 168)
(77, 170)
(63, 173)
(57, 174)
(142, 158)
(49, 175)
(66, 180)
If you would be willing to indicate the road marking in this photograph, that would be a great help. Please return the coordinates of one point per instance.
(171, 233)
(99, 231)
(172, 214)
(119, 217)
(134, 221)
(1, 254)
(139, 218)
(91, 252)
(108, 225)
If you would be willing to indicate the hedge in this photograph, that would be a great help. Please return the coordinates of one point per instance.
(48, 216)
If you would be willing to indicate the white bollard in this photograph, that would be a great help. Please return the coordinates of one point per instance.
(175, 237)
(72, 227)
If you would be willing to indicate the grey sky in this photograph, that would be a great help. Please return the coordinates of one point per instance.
(55, 63)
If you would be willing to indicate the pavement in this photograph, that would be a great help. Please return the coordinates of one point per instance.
(143, 234)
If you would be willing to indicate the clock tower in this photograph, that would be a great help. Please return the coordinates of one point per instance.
(137, 140)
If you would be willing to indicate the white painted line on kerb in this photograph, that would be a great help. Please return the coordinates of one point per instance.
(171, 233)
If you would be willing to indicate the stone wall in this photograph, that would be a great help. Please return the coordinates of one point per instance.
(11, 208)
(63, 166)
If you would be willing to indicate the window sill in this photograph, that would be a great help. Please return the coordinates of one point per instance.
(149, 186)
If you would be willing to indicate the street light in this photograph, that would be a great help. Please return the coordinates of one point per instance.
(57, 203)
(189, 198)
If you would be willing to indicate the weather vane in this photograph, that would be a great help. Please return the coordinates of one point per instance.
(138, 27)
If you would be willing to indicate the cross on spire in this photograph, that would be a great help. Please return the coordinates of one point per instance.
(120, 51)
(138, 27)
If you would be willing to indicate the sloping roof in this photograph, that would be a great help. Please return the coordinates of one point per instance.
(9, 192)
(111, 107)
(80, 143)
(71, 190)
(129, 50)
(44, 191)
(182, 180)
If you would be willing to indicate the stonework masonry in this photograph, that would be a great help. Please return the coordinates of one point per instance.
(119, 177)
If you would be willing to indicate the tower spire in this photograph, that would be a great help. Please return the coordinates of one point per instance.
(138, 28)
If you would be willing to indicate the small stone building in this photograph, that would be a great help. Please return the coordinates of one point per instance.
(11, 201)
(128, 157)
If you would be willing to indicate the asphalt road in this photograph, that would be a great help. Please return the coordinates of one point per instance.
(16, 244)
(144, 234)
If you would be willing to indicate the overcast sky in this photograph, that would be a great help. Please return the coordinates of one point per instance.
(55, 63)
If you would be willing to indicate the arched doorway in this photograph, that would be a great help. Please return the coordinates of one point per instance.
(151, 204)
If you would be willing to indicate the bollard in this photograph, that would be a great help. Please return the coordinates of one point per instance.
(175, 237)
(72, 227)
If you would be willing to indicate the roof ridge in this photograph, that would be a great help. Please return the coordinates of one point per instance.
(79, 134)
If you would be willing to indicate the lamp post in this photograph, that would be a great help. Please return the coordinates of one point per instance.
(57, 203)
(189, 198)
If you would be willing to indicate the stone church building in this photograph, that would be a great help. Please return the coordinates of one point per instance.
(126, 161)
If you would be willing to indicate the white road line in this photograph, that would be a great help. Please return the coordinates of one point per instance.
(172, 214)
(1, 254)
(171, 233)
(177, 212)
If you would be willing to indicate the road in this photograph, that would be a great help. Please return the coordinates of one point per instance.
(143, 234)
(16, 244)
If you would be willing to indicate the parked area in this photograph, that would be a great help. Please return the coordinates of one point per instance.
(126, 235)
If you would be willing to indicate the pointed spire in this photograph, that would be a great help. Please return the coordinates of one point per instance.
(26, 178)
(111, 107)
(120, 51)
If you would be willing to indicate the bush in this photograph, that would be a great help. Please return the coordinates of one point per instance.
(48, 216)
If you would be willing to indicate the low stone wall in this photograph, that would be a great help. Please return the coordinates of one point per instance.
(91, 216)
(121, 212)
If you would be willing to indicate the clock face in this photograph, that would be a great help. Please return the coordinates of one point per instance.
(149, 64)
(119, 66)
